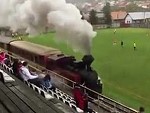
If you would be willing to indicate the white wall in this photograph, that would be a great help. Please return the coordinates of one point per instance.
(116, 24)
(128, 20)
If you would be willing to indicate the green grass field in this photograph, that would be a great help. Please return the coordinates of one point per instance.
(125, 72)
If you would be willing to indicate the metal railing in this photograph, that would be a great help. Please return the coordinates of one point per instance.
(102, 101)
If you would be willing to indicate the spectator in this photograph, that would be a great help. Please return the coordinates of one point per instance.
(18, 70)
(46, 81)
(8, 63)
(15, 67)
(86, 109)
(2, 57)
(27, 76)
(81, 99)
(78, 96)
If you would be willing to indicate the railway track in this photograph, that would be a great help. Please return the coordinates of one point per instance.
(103, 104)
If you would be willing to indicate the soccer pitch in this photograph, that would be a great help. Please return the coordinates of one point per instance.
(125, 73)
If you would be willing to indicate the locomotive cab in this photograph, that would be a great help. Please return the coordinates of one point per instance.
(59, 63)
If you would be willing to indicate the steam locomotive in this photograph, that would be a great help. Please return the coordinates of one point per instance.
(53, 59)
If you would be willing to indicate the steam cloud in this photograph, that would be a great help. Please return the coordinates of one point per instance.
(35, 15)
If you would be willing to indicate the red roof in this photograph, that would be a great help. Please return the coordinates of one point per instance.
(118, 15)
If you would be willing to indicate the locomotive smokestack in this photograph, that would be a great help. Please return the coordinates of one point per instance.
(87, 60)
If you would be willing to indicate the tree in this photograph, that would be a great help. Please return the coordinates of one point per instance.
(93, 18)
(107, 13)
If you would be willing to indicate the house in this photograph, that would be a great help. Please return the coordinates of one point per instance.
(118, 18)
(101, 17)
(137, 17)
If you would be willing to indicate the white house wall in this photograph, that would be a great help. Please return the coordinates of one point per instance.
(128, 19)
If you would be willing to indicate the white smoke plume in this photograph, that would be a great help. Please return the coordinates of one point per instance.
(35, 15)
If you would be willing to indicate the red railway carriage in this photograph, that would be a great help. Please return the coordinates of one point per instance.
(33, 52)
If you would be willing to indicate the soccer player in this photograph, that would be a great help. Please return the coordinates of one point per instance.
(134, 45)
(121, 43)
(115, 31)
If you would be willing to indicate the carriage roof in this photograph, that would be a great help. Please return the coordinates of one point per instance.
(35, 48)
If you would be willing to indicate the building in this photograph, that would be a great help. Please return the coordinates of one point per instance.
(118, 18)
(137, 17)
(101, 17)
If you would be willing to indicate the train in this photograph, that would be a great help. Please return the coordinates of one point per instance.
(53, 59)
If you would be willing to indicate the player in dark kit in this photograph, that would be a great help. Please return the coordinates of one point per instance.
(121, 43)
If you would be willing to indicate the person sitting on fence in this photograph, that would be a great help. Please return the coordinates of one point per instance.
(27, 76)
(46, 81)
(2, 57)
